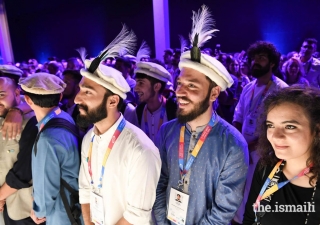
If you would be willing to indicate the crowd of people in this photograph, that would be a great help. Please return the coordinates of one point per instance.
(199, 137)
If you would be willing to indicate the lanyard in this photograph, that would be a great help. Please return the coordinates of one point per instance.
(48, 117)
(264, 194)
(106, 155)
(309, 67)
(194, 153)
(261, 97)
(163, 110)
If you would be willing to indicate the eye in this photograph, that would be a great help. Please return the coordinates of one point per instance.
(87, 92)
(290, 127)
(269, 125)
(191, 86)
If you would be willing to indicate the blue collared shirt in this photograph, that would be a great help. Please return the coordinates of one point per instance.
(57, 157)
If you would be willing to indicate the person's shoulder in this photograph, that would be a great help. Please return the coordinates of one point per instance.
(226, 130)
(280, 83)
(316, 62)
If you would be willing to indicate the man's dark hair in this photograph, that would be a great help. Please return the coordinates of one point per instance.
(152, 80)
(264, 47)
(126, 62)
(75, 75)
(311, 41)
(44, 101)
(168, 51)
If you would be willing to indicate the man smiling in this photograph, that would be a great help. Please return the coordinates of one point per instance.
(204, 158)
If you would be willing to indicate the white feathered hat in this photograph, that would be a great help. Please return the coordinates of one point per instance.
(202, 31)
(106, 76)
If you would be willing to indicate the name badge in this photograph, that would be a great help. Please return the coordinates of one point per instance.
(96, 208)
(178, 206)
(249, 127)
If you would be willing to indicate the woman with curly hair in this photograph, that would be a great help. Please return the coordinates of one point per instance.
(294, 73)
(284, 186)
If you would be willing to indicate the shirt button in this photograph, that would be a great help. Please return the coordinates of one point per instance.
(194, 136)
(186, 182)
(190, 150)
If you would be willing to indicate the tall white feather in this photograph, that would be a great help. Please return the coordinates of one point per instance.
(203, 25)
(124, 42)
(183, 43)
(83, 53)
(144, 51)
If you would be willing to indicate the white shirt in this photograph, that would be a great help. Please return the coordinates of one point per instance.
(312, 72)
(242, 108)
(153, 120)
(131, 174)
(240, 114)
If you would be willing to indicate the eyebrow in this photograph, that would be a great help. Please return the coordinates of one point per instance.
(191, 80)
(287, 121)
(87, 86)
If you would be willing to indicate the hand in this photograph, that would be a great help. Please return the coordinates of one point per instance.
(36, 219)
(2, 202)
(12, 125)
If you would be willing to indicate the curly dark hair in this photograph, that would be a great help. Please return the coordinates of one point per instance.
(307, 98)
(264, 47)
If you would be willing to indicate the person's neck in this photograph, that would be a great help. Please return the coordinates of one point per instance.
(201, 120)
(294, 166)
(104, 125)
(305, 59)
(70, 102)
(264, 80)
(292, 80)
(42, 112)
(154, 103)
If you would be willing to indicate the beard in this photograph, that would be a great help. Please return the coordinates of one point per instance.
(199, 109)
(260, 71)
(4, 111)
(93, 115)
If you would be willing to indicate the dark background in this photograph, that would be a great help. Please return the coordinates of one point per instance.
(41, 28)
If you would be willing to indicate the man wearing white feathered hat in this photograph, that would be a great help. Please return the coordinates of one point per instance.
(120, 164)
(204, 158)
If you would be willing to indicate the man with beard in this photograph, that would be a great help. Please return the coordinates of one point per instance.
(120, 165)
(204, 158)
(264, 60)
(310, 64)
(15, 166)
(154, 109)
(55, 156)
(72, 79)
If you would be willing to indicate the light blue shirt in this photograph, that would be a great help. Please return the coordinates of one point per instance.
(57, 157)
(217, 176)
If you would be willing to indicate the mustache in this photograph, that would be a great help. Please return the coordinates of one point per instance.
(84, 107)
(184, 99)
(256, 66)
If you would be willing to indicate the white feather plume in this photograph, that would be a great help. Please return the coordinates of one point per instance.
(183, 43)
(203, 25)
(83, 53)
(124, 42)
(144, 51)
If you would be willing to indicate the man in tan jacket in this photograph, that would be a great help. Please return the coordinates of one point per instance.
(15, 160)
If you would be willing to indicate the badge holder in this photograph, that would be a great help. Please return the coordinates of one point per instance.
(96, 208)
(178, 205)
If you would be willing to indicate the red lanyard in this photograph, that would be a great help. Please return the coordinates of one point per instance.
(163, 110)
(261, 97)
(106, 155)
(194, 154)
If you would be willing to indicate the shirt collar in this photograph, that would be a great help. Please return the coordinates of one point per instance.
(53, 113)
(111, 130)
